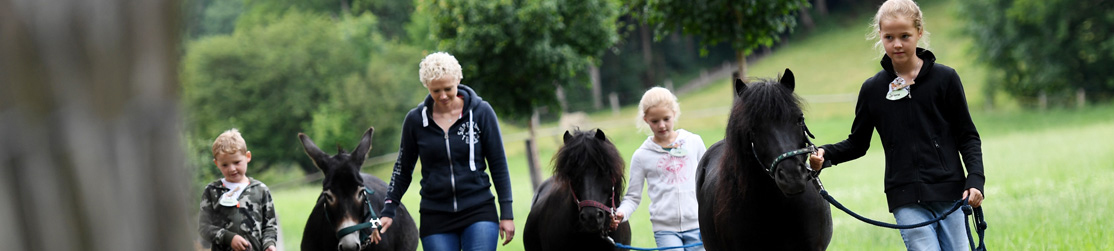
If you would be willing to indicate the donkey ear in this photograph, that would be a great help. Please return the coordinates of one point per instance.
(568, 136)
(365, 145)
(787, 79)
(740, 87)
(314, 152)
(599, 135)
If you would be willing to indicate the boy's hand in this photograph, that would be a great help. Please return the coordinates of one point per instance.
(272, 248)
(616, 219)
(386, 221)
(240, 244)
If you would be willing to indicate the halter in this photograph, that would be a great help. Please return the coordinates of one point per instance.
(808, 149)
(596, 204)
(372, 223)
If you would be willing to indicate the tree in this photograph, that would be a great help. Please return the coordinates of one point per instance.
(1049, 46)
(303, 72)
(515, 53)
(746, 25)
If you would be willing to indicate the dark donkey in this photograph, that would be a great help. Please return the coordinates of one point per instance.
(347, 211)
(572, 210)
(754, 187)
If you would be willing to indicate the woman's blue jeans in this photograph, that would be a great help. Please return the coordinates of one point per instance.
(480, 236)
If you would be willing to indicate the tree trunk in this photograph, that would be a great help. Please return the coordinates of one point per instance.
(89, 119)
(821, 7)
(647, 56)
(742, 59)
(806, 20)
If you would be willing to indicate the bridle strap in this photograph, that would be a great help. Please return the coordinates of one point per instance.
(772, 168)
(809, 149)
(372, 223)
(580, 204)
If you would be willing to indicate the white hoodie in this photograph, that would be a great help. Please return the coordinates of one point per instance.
(672, 182)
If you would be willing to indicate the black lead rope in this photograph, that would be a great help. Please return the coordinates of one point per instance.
(980, 222)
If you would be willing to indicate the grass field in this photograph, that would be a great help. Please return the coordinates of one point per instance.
(1047, 171)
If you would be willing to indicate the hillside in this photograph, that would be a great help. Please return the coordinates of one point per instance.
(1039, 165)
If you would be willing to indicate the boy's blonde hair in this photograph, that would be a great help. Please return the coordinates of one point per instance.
(438, 65)
(894, 9)
(655, 97)
(230, 142)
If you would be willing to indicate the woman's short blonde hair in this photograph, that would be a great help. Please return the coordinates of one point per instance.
(897, 9)
(230, 142)
(655, 97)
(438, 65)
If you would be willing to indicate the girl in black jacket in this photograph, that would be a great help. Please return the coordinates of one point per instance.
(456, 135)
(920, 112)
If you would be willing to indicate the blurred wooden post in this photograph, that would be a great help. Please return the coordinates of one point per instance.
(532, 162)
(597, 88)
(91, 156)
(614, 98)
(532, 152)
(1080, 98)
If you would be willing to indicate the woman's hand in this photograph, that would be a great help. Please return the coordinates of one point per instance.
(506, 231)
(386, 221)
(817, 160)
(976, 197)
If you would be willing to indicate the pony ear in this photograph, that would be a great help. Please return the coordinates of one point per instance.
(787, 79)
(740, 87)
(365, 145)
(599, 135)
(314, 152)
(567, 137)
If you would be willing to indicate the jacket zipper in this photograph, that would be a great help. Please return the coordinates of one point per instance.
(452, 173)
(940, 155)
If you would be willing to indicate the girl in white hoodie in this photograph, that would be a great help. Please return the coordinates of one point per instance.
(666, 162)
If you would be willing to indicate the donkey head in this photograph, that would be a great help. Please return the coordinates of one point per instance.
(342, 196)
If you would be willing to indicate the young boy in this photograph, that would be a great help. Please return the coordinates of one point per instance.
(236, 211)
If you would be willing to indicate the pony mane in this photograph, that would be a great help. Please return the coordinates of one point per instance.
(583, 151)
(764, 101)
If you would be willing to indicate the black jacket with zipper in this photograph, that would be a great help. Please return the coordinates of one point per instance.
(924, 135)
(453, 163)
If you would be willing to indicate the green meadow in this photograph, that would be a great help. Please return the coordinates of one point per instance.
(1047, 171)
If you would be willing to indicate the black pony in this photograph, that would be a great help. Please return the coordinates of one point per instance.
(572, 210)
(754, 187)
(347, 211)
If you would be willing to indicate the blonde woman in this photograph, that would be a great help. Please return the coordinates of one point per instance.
(455, 134)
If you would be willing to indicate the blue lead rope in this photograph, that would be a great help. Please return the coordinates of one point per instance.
(620, 245)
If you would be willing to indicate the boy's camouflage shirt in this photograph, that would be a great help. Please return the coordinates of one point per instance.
(253, 218)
